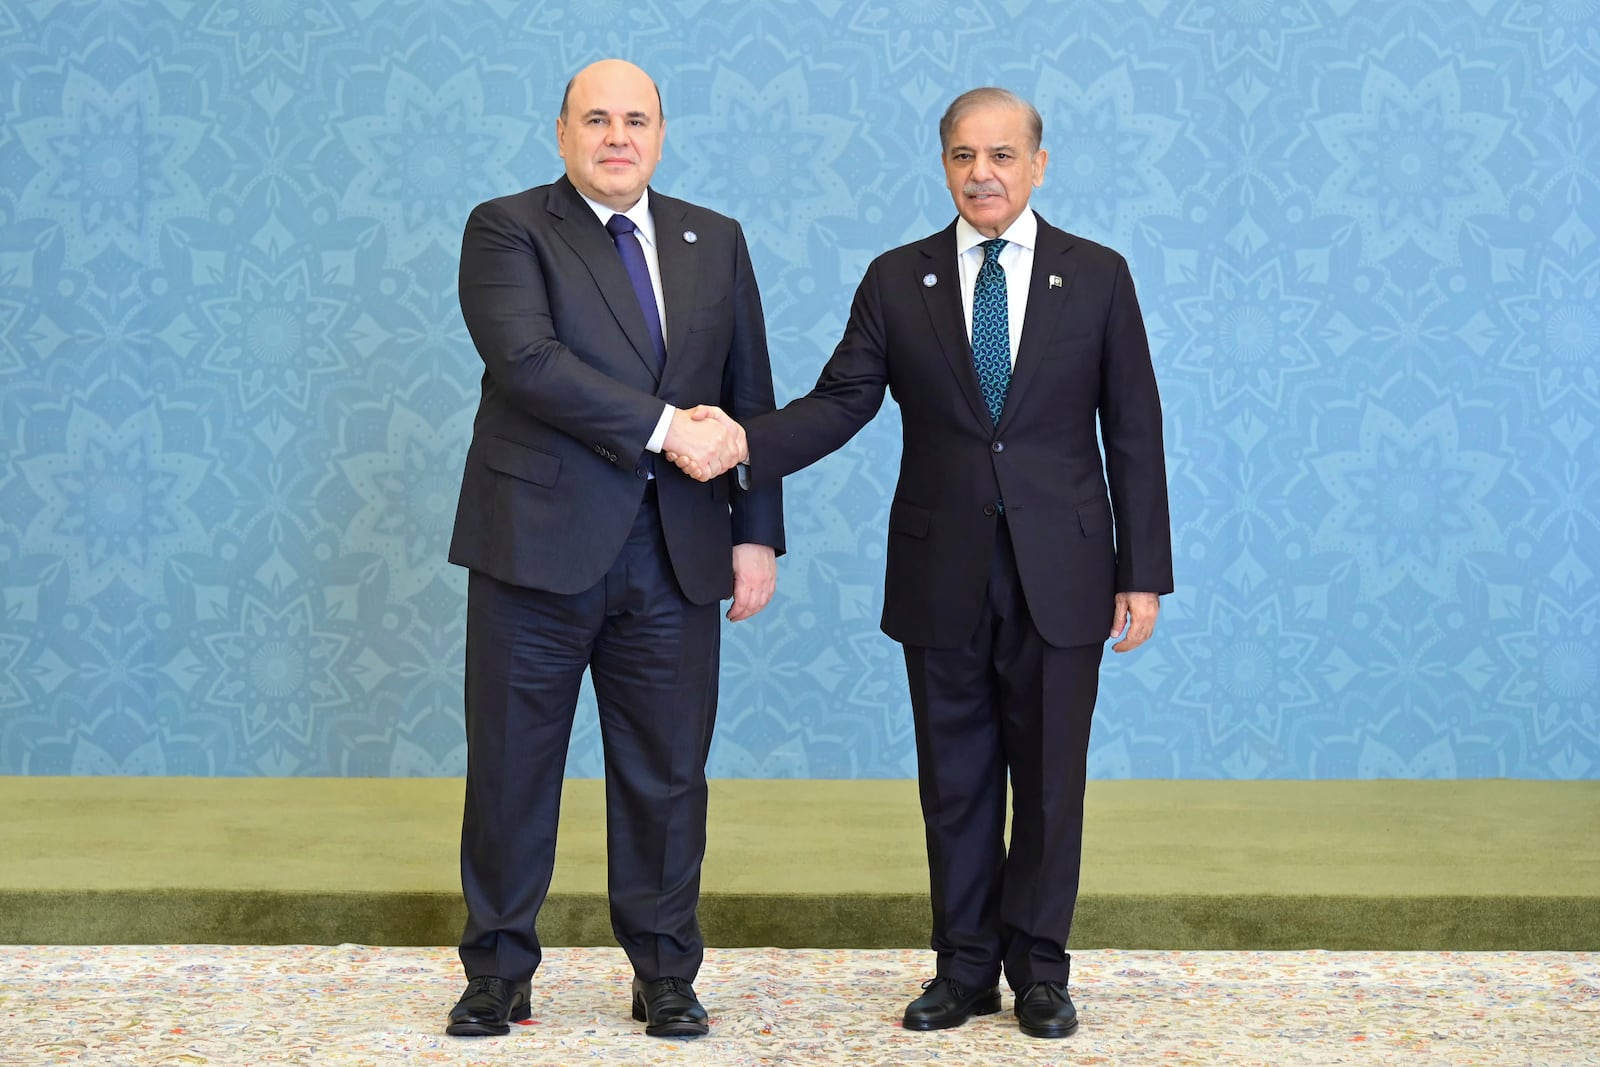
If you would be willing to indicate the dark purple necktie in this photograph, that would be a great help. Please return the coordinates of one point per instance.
(622, 229)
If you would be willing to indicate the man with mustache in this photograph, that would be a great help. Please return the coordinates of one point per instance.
(601, 310)
(1007, 343)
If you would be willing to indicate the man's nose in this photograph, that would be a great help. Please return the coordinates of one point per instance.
(616, 132)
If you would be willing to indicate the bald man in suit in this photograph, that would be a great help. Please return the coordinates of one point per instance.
(601, 310)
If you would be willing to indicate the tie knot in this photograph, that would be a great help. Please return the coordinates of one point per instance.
(992, 249)
(619, 224)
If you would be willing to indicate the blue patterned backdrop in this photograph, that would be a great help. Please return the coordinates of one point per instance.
(237, 390)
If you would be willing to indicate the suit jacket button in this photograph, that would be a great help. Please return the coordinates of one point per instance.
(998, 446)
(988, 509)
(640, 472)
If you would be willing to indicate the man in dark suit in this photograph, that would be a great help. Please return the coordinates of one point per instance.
(601, 310)
(1005, 341)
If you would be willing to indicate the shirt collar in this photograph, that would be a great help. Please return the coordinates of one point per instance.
(1024, 231)
(639, 213)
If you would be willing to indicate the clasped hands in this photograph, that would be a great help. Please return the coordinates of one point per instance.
(704, 442)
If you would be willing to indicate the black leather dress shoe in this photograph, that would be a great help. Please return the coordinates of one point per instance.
(668, 1008)
(1044, 1009)
(947, 1003)
(487, 1007)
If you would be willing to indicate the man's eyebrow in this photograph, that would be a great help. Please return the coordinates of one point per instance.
(1006, 147)
(600, 112)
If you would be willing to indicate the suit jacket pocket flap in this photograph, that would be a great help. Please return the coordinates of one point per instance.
(1094, 516)
(520, 461)
(908, 519)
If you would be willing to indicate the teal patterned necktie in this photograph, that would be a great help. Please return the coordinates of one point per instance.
(991, 330)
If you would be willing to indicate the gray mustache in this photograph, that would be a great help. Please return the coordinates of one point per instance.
(977, 188)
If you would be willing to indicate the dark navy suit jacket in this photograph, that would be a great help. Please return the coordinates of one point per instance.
(555, 474)
(1083, 363)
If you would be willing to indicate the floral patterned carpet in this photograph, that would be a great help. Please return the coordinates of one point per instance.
(197, 1005)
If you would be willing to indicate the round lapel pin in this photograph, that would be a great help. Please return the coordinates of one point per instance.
(690, 236)
(930, 280)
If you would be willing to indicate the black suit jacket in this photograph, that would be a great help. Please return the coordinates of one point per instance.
(1083, 359)
(556, 471)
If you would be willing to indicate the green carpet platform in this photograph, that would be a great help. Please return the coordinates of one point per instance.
(1386, 865)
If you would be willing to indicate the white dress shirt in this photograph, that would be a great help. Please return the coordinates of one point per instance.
(640, 214)
(1017, 260)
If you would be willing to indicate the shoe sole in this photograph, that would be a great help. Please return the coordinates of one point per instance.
(678, 1028)
(988, 1007)
(1048, 1031)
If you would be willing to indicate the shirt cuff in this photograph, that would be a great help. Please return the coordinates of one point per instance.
(742, 472)
(659, 438)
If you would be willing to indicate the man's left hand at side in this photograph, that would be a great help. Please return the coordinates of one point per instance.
(755, 578)
(1136, 614)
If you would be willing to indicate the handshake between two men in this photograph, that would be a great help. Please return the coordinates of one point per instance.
(704, 442)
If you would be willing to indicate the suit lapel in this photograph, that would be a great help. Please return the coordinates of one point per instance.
(1046, 304)
(677, 258)
(575, 221)
(942, 299)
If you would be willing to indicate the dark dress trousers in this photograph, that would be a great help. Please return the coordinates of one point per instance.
(1005, 554)
(579, 560)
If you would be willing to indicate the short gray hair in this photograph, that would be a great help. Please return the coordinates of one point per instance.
(988, 96)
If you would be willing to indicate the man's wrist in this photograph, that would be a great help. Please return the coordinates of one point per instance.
(658, 440)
